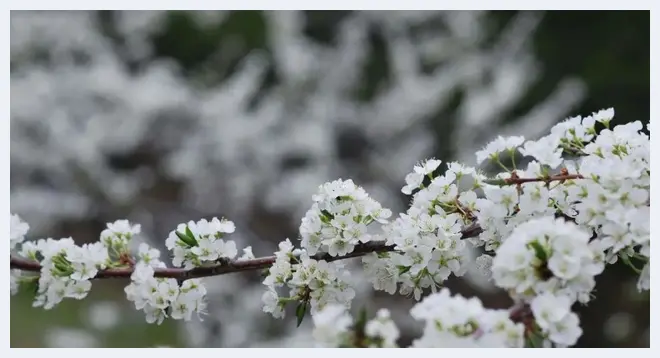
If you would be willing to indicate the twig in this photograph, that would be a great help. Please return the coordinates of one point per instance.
(560, 177)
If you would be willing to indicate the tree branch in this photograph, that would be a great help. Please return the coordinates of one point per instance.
(267, 261)
(514, 179)
(233, 266)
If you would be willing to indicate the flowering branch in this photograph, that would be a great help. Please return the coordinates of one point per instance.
(545, 243)
(267, 261)
(232, 266)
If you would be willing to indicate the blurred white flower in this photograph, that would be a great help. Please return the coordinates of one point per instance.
(103, 315)
(61, 337)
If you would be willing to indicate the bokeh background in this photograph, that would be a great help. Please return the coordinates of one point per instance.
(166, 116)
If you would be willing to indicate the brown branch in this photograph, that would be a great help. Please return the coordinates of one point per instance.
(560, 177)
(522, 313)
(233, 266)
(265, 262)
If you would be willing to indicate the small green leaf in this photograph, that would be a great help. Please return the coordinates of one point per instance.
(539, 251)
(191, 236)
(327, 216)
(300, 312)
(185, 239)
(534, 340)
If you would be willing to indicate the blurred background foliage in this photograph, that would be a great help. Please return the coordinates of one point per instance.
(608, 50)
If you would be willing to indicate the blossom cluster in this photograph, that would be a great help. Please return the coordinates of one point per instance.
(549, 229)
(118, 234)
(455, 321)
(548, 255)
(614, 201)
(334, 327)
(338, 219)
(553, 316)
(608, 195)
(163, 297)
(310, 282)
(448, 322)
(198, 243)
(428, 238)
(66, 268)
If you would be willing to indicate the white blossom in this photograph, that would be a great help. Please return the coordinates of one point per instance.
(206, 245)
(554, 317)
(338, 219)
(17, 230)
(497, 146)
(454, 321)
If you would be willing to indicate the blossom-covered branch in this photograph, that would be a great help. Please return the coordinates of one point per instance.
(265, 262)
(548, 230)
(231, 266)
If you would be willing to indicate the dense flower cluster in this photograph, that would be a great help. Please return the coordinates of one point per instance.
(310, 282)
(449, 322)
(428, 238)
(197, 243)
(66, 269)
(163, 297)
(338, 219)
(548, 230)
(116, 237)
(614, 201)
(552, 314)
(334, 327)
(460, 322)
(548, 255)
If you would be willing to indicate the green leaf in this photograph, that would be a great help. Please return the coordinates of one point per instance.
(326, 217)
(534, 340)
(300, 312)
(185, 239)
(191, 236)
(539, 251)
